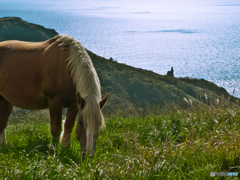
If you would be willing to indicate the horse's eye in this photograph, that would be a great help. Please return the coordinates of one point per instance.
(81, 123)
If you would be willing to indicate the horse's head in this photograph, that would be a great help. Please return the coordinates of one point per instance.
(88, 124)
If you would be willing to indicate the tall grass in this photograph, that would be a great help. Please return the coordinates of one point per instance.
(176, 144)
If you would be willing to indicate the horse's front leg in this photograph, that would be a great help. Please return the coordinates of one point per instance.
(68, 125)
(55, 110)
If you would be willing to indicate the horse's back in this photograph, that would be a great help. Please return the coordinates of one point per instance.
(23, 51)
(14, 46)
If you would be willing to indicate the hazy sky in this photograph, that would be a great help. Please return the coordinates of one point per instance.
(123, 7)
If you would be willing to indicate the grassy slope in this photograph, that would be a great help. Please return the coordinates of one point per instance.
(130, 88)
(176, 145)
(142, 88)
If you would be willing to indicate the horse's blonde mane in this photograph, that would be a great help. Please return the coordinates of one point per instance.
(85, 79)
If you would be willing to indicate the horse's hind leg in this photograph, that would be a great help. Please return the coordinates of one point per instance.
(5, 111)
(68, 125)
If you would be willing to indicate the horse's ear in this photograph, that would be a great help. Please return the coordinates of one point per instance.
(80, 101)
(103, 101)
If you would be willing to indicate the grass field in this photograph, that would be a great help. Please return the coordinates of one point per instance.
(173, 145)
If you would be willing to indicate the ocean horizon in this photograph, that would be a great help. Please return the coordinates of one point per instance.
(199, 40)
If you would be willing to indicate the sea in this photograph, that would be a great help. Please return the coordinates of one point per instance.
(199, 39)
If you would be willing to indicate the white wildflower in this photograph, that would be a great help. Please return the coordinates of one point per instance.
(217, 101)
(190, 101)
(185, 99)
(206, 96)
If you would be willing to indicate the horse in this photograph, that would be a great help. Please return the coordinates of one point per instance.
(57, 73)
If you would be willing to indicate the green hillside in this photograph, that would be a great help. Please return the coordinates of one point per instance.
(141, 88)
(132, 90)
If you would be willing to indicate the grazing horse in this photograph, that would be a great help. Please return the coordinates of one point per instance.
(55, 74)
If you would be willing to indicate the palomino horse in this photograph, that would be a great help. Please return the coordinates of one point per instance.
(53, 74)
